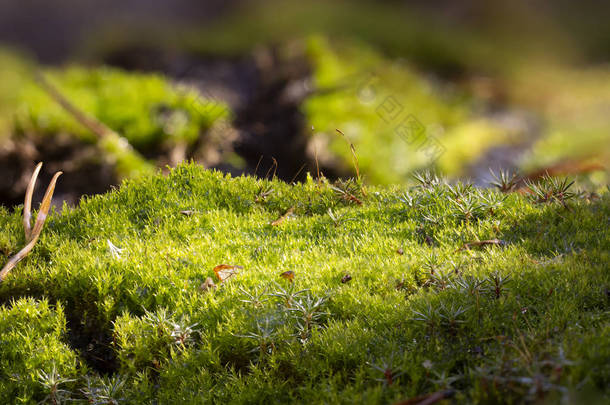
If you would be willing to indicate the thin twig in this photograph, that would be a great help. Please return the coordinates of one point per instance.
(299, 172)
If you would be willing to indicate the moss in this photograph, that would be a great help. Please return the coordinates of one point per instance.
(32, 343)
(498, 324)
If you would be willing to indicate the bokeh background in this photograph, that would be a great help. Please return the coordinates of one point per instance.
(260, 87)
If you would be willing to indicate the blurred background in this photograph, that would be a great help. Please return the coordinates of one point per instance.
(108, 90)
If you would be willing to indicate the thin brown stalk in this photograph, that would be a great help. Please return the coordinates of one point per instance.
(355, 159)
(12, 262)
(353, 150)
(85, 120)
(299, 172)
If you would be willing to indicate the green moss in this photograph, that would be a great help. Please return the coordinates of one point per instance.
(33, 342)
(129, 265)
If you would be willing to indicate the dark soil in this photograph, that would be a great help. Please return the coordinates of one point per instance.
(94, 343)
(265, 90)
(84, 172)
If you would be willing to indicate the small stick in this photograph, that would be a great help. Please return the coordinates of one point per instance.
(85, 120)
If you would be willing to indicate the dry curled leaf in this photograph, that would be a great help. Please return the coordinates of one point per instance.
(31, 234)
(400, 251)
(346, 278)
(288, 275)
(283, 217)
(224, 271)
(207, 285)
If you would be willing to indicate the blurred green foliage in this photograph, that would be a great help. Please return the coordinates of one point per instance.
(147, 111)
(373, 99)
(144, 108)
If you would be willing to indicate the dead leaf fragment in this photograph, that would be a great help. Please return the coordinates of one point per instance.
(283, 217)
(187, 213)
(207, 285)
(495, 242)
(400, 251)
(288, 275)
(224, 271)
(346, 278)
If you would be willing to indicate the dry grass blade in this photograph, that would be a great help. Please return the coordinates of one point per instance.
(45, 206)
(27, 206)
(31, 235)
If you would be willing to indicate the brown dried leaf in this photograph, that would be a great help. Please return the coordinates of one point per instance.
(283, 217)
(495, 242)
(225, 271)
(288, 275)
(207, 285)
